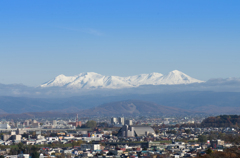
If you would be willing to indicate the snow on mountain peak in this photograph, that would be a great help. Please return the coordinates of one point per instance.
(94, 80)
(176, 71)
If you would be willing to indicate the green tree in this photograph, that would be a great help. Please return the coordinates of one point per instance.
(202, 138)
(21, 147)
(53, 134)
(35, 154)
(209, 151)
(91, 124)
(188, 131)
(34, 148)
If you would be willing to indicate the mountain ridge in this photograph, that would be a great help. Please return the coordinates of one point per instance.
(90, 80)
(133, 107)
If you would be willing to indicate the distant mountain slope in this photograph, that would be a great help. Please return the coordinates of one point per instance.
(206, 102)
(94, 80)
(133, 107)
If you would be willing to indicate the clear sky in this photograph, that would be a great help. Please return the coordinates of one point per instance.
(42, 39)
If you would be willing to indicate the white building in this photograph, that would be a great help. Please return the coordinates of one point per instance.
(121, 120)
(114, 120)
(23, 156)
(5, 126)
(91, 147)
(53, 139)
(129, 122)
(132, 131)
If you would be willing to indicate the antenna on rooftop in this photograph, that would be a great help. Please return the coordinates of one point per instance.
(77, 118)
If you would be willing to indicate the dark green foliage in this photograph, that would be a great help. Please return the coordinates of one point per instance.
(209, 151)
(25, 135)
(222, 121)
(76, 143)
(53, 134)
(188, 131)
(202, 138)
(35, 154)
(171, 132)
(91, 124)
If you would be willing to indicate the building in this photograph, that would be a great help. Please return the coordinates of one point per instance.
(13, 133)
(5, 126)
(23, 156)
(151, 144)
(121, 120)
(128, 122)
(34, 121)
(114, 120)
(76, 124)
(35, 125)
(16, 137)
(6, 137)
(216, 143)
(135, 131)
(19, 131)
(91, 147)
(54, 122)
(27, 123)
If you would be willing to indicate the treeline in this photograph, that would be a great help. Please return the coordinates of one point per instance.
(227, 153)
(34, 150)
(217, 121)
(222, 121)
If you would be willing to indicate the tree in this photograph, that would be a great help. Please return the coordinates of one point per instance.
(77, 143)
(91, 124)
(21, 147)
(25, 135)
(35, 154)
(34, 148)
(209, 151)
(53, 134)
(171, 132)
(157, 131)
(202, 138)
(188, 131)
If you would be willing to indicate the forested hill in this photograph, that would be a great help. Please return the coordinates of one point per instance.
(221, 121)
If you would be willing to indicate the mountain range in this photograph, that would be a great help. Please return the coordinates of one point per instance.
(92, 93)
(159, 103)
(94, 80)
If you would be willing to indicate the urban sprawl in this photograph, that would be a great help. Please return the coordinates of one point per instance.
(140, 136)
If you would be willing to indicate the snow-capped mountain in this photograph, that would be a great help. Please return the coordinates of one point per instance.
(95, 80)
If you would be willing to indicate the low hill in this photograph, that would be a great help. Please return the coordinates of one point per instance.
(133, 107)
(221, 121)
(205, 102)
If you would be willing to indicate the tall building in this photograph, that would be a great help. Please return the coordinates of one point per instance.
(121, 120)
(54, 122)
(113, 120)
(128, 122)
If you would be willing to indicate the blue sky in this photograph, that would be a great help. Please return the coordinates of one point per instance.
(42, 39)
